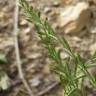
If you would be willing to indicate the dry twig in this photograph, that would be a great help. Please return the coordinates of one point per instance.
(46, 90)
(42, 92)
(16, 15)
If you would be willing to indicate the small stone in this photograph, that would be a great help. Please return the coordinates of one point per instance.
(93, 48)
(64, 55)
(34, 55)
(93, 30)
(74, 18)
(1, 15)
(23, 22)
(56, 3)
(77, 39)
(35, 82)
(47, 10)
(4, 81)
(27, 30)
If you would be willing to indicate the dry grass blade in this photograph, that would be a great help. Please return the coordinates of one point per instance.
(16, 13)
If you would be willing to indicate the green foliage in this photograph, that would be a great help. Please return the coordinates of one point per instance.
(4, 79)
(3, 59)
(71, 75)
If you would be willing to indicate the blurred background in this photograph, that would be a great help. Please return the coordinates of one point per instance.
(79, 31)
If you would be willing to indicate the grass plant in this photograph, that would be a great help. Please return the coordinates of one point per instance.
(71, 78)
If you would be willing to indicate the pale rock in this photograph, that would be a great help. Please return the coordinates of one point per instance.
(4, 81)
(74, 17)
(47, 10)
(27, 30)
(23, 22)
(77, 39)
(1, 15)
(56, 3)
(93, 48)
(34, 55)
(93, 29)
(35, 82)
(64, 55)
